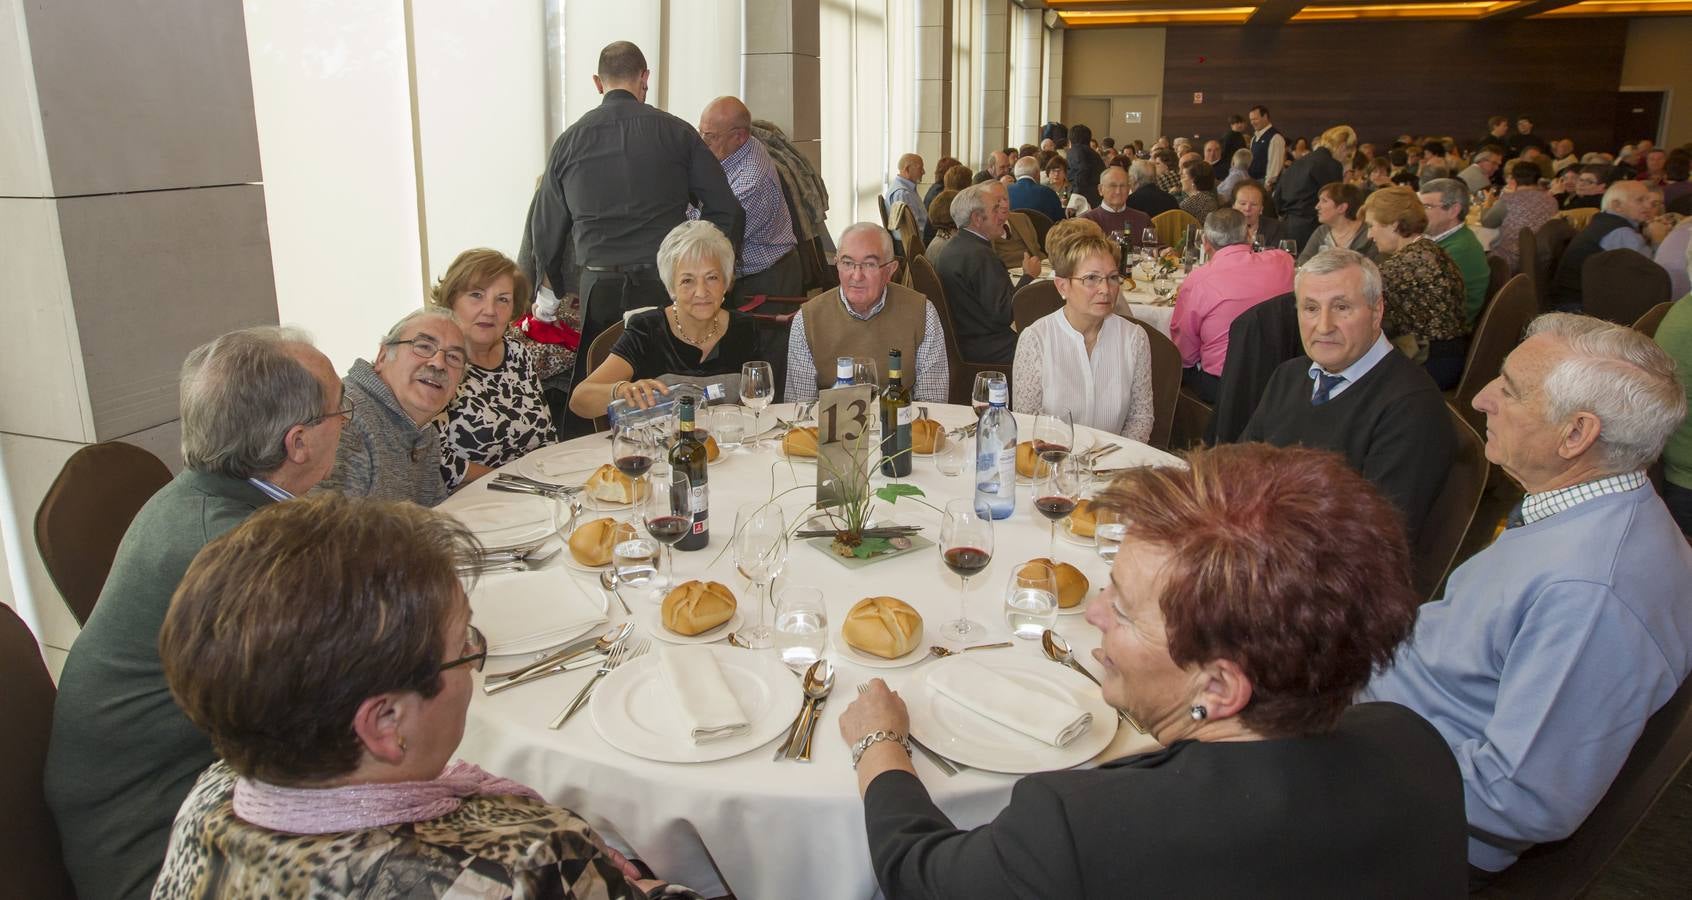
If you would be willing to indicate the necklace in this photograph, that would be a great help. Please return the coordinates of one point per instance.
(710, 330)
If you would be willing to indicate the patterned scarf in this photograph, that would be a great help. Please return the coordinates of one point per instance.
(361, 806)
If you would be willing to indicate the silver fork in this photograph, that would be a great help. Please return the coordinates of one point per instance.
(940, 762)
(524, 564)
(622, 654)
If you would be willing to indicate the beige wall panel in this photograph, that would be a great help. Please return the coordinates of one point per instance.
(23, 152)
(1659, 55)
(40, 362)
(1111, 62)
(140, 96)
(155, 275)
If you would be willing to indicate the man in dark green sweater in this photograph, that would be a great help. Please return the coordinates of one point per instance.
(1353, 393)
(1447, 203)
(261, 416)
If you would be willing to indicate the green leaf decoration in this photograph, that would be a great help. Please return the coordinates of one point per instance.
(892, 492)
(869, 547)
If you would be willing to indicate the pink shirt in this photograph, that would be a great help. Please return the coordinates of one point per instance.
(1234, 281)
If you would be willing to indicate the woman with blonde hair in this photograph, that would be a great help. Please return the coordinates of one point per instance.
(1301, 184)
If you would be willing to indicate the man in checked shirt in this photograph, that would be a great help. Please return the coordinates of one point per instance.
(769, 256)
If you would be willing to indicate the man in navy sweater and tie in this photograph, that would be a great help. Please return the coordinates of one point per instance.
(1353, 393)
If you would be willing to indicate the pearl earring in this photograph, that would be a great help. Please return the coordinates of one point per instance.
(1199, 713)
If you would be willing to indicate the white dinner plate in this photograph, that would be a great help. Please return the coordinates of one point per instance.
(869, 660)
(652, 621)
(510, 519)
(976, 741)
(562, 463)
(524, 613)
(634, 710)
(1073, 538)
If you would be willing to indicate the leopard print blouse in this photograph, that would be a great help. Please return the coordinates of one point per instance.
(498, 415)
(489, 847)
(1424, 293)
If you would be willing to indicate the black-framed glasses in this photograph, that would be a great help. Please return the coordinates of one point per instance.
(477, 644)
(425, 347)
(345, 413)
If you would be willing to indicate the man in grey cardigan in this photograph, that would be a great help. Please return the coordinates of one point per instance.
(261, 414)
(391, 449)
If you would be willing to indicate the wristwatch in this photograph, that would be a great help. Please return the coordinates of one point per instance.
(876, 737)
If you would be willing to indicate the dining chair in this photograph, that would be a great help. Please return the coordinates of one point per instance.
(1566, 868)
(1166, 383)
(1578, 219)
(1171, 226)
(1259, 340)
(85, 513)
(1041, 226)
(1554, 236)
(1034, 301)
(881, 206)
(597, 353)
(1532, 263)
(29, 839)
(1453, 510)
(1192, 420)
(1647, 324)
(1498, 272)
(927, 282)
(1498, 330)
(905, 229)
(1622, 285)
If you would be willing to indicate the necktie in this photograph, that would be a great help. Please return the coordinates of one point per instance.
(1325, 385)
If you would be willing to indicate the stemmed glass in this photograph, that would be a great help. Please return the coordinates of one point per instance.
(1148, 241)
(1057, 488)
(632, 450)
(978, 393)
(1053, 433)
(966, 547)
(668, 514)
(760, 552)
(1288, 246)
(757, 389)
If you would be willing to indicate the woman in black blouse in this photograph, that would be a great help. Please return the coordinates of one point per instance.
(692, 337)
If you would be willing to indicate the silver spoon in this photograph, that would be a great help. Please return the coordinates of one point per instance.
(550, 666)
(812, 678)
(943, 652)
(815, 691)
(1057, 650)
(608, 581)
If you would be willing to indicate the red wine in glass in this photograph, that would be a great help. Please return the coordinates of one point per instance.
(634, 465)
(1054, 508)
(966, 561)
(1043, 447)
(668, 529)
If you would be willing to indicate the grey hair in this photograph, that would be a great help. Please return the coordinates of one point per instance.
(697, 239)
(1619, 375)
(1140, 173)
(1486, 155)
(1450, 190)
(427, 312)
(1242, 158)
(1613, 195)
(1026, 165)
(1225, 228)
(240, 394)
(1337, 259)
(883, 237)
(968, 202)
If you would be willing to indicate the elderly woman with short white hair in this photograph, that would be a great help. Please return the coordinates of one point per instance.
(693, 337)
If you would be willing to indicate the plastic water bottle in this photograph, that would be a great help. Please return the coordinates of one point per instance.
(995, 456)
(843, 371)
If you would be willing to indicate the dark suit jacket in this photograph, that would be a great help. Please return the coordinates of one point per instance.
(1374, 808)
(1299, 188)
(1085, 167)
(1151, 200)
(1027, 193)
(1259, 340)
(978, 290)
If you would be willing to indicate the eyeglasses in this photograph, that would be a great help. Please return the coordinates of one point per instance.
(1093, 281)
(477, 644)
(427, 347)
(868, 265)
(346, 413)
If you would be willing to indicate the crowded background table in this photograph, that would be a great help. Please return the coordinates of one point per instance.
(758, 827)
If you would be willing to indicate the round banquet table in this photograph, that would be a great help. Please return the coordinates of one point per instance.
(770, 829)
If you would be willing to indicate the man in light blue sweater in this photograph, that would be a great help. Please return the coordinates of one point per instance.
(1554, 645)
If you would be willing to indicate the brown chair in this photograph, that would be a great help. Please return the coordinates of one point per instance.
(881, 206)
(906, 230)
(1531, 262)
(1622, 285)
(1578, 219)
(1041, 226)
(1497, 332)
(1499, 272)
(29, 840)
(598, 352)
(1033, 301)
(1647, 324)
(1453, 509)
(820, 274)
(1554, 236)
(1192, 420)
(927, 281)
(1565, 868)
(1171, 226)
(1166, 383)
(85, 513)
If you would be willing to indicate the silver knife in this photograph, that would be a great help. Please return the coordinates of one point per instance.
(538, 674)
(575, 647)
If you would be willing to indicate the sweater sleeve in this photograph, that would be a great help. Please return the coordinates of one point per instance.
(1027, 370)
(354, 473)
(1142, 403)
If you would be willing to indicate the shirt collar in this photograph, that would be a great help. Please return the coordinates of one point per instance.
(1376, 352)
(1436, 238)
(1549, 503)
(906, 183)
(270, 490)
(874, 310)
(1106, 207)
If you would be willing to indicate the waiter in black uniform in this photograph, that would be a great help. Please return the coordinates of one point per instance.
(616, 182)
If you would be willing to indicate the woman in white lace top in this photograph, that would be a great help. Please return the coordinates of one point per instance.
(1084, 359)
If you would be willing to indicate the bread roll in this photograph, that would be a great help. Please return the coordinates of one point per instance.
(1082, 520)
(696, 607)
(612, 486)
(883, 626)
(591, 544)
(1071, 584)
(800, 441)
(1026, 459)
(925, 435)
(712, 451)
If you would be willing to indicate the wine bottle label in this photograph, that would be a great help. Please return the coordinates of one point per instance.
(907, 415)
(698, 498)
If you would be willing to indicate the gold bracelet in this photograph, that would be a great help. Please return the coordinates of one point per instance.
(617, 387)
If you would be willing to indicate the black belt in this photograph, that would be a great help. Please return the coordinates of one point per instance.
(624, 268)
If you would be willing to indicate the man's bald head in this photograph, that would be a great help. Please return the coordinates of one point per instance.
(725, 126)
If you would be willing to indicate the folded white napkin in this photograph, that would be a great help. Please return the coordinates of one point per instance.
(702, 695)
(993, 696)
(526, 612)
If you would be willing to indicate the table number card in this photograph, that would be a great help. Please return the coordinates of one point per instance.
(843, 424)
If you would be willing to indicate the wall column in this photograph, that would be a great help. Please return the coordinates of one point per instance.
(1027, 54)
(993, 76)
(933, 82)
(781, 69)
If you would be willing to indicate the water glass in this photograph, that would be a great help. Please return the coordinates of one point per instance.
(729, 423)
(636, 562)
(951, 452)
(1031, 600)
(801, 626)
(1108, 530)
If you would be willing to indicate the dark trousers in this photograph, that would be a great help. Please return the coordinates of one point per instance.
(1679, 502)
(784, 278)
(1204, 384)
(605, 297)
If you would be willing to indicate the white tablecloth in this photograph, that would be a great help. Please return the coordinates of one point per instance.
(779, 830)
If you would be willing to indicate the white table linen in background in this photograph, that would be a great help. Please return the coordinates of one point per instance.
(782, 829)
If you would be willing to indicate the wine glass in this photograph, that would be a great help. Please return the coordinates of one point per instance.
(865, 372)
(978, 394)
(1031, 600)
(1148, 240)
(966, 547)
(757, 389)
(1288, 246)
(668, 515)
(760, 552)
(1057, 487)
(632, 449)
(1053, 432)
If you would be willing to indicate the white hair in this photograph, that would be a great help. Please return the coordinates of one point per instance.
(389, 340)
(240, 394)
(1337, 259)
(968, 202)
(1619, 375)
(1027, 165)
(1225, 228)
(1615, 194)
(884, 239)
(697, 239)
(1141, 173)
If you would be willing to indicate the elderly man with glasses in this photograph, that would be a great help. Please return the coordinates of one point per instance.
(867, 315)
(391, 451)
(262, 413)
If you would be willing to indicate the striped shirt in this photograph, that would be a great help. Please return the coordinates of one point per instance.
(769, 229)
